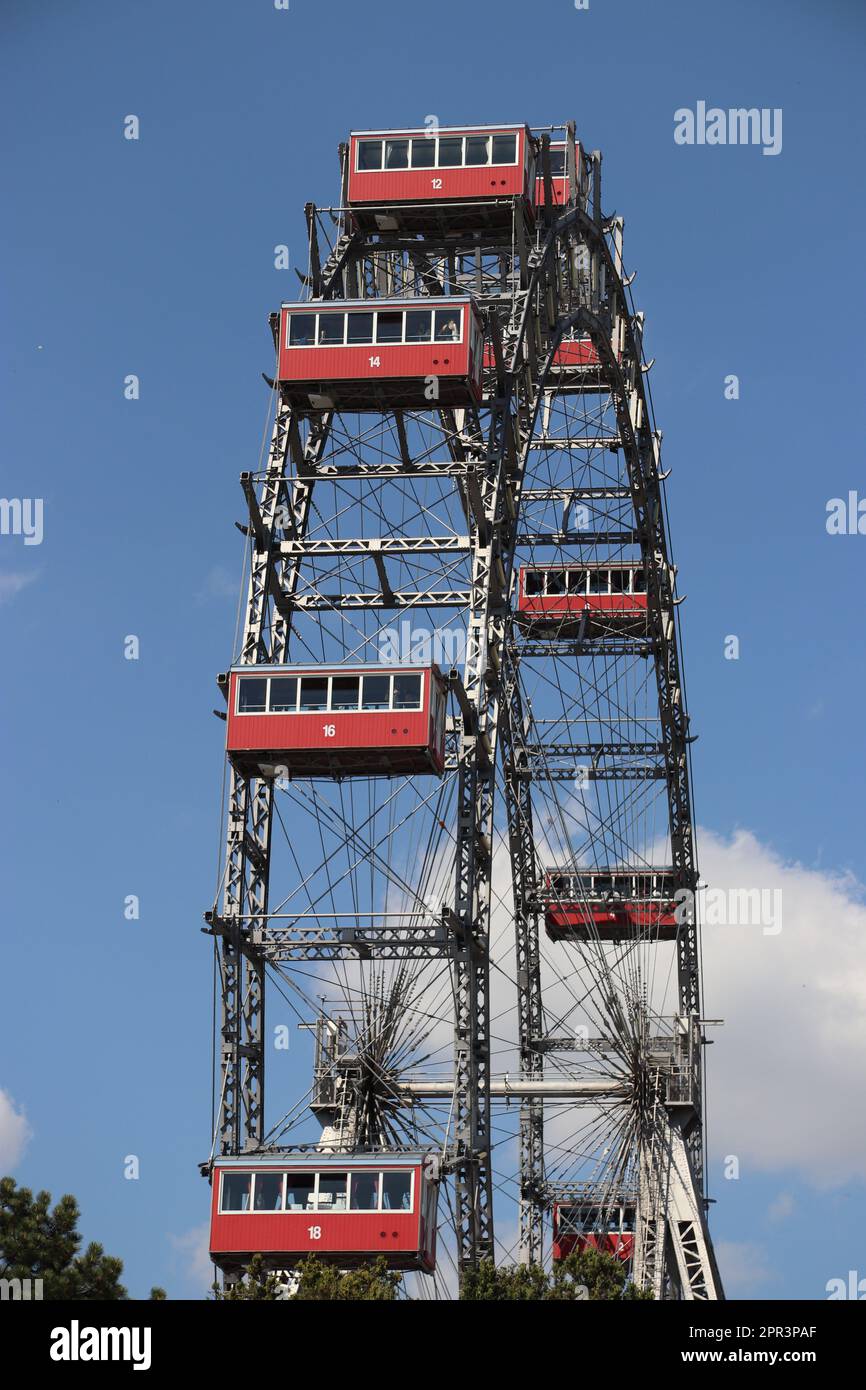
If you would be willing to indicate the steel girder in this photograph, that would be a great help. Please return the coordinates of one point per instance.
(245, 892)
(673, 1251)
(530, 1008)
(602, 315)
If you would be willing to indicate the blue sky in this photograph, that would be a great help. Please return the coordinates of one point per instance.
(155, 257)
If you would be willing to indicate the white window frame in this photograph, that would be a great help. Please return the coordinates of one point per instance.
(268, 1211)
(456, 309)
(352, 675)
(328, 707)
(488, 135)
(369, 140)
(403, 1211)
(251, 713)
(235, 1172)
(407, 709)
(299, 1172)
(365, 1173)
(323, 1172)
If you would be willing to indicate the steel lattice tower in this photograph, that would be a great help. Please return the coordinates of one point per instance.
(408, 931)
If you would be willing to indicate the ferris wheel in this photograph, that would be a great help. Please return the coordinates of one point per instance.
(459, 848)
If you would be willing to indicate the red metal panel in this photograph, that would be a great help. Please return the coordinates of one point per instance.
(560, 191)
(563, 605)
(573, 352)
(610, 1243)
(316, 1232)
(374, 361)
(576, 352)
(565, 918)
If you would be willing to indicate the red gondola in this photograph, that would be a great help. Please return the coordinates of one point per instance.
(579, 1227)
(612, 904)
(594, 598)
(345, 1209)
(574, 355)
(303, 721)
(460, 178)
(364, 354)
(576, 351)
(567, 175)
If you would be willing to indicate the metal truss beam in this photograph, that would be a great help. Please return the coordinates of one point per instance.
(386, 545)
(430, 598)
(578, 538)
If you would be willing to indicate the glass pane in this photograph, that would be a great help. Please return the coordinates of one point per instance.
(396, 154)
(639, 582)
(331, 328)
(419, 325)
(332, 1191)
(236, 1191)
(504, 149)
(268, 1192)
(345, 691)
(423, 153)
(397, 1191)
(389, 326)
(407, 692)
(252, 695)
(377, 692)
(360, 328)
(369, 154)
(450, 150)
(534, 583)
(477, 149)
(284, 694)
(557, 163)
(302, 328)
(448, 325)
(365, 1192)
(556, 581)
(299, 1191)
(598, 581)
(619, 581)
(577, 581)
(314, 692)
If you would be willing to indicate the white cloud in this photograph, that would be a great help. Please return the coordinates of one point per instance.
(218, 583)
(782, 1207)
(12, 582)
(192, 1250)
(786, 1069)
(744, 1267)
(15, 1133)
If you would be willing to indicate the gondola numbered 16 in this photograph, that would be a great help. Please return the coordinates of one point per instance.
(340, 721)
